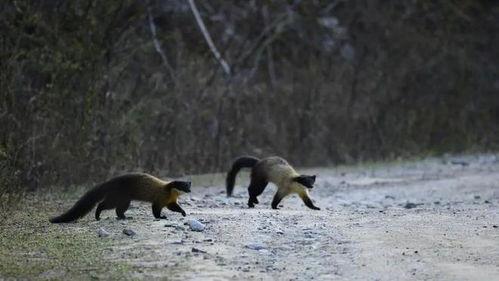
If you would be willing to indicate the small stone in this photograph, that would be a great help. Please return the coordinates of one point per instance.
(494, 226)
(102, 232)
(264, 251)
(410, 205)
(476, 197)
(256, 246)
(196, 225)
(459, 162)
(129, 232)
(196, 250)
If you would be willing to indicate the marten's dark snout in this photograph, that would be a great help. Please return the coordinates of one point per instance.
(186, 186)
(307, 181)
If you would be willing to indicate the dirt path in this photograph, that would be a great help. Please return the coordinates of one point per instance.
(435, 219)
(431, 219)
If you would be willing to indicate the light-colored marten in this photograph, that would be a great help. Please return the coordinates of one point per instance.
(275, 170)
(117, 193)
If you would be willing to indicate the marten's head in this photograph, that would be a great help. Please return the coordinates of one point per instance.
(180, 186)
(305, 180)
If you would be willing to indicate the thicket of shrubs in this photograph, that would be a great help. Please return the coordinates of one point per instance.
(90, 89)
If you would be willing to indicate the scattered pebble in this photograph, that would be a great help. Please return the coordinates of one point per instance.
(102, 232)
(256, 246)
(309, 235)
(196, 250)
(264, 251)
(476, 197)
(459, 162)
(196, 225)
(410, 205)
(129, 232)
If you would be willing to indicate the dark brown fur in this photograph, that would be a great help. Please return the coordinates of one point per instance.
(117, 193)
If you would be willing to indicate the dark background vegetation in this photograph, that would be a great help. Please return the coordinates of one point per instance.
(86, 93)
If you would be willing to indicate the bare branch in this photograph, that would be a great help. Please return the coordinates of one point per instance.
(270, 59)
(274, 27)
(157, 45)
(207, 37)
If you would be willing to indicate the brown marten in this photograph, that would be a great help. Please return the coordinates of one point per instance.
(275, 170)
(117, 193)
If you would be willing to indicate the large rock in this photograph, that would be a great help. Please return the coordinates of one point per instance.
(102, 232)
(196, 225)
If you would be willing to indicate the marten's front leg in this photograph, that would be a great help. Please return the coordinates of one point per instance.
(308, 202)
(175, 207)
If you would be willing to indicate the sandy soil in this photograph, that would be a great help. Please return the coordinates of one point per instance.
(433, 219)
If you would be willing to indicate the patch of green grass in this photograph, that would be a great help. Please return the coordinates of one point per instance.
(31, 247)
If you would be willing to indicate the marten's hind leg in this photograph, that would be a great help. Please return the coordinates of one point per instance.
(121, 208)
(104, 205)
(256, 187)
(279, 195)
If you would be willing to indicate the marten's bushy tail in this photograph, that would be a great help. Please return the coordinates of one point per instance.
(241, 162)
(84, 205)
